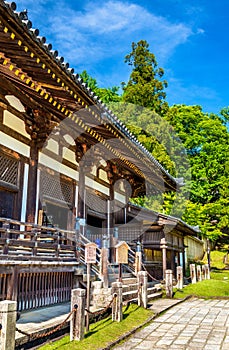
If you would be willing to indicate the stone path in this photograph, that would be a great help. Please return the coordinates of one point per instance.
(191, 325)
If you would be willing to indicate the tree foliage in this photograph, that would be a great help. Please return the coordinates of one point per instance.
(145, 86)
(106, 95)
(206, 139)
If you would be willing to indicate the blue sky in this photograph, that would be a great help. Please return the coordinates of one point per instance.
(188, 37)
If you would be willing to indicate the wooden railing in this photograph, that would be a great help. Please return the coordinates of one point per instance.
(19, 239)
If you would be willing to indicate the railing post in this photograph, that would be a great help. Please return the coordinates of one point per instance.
(142, 289)
(77, 324)
(179, 277)
(138, 261)
(6, 227)
(169, 283)
(117, 302)
(34, 239)
(8, 310)
(193, 273)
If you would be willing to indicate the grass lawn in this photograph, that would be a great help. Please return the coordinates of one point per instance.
(217, 286)
(105, 331)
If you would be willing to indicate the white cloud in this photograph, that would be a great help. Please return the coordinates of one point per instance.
(104, 29)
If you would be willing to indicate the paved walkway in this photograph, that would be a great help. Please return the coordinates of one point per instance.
(191, 325)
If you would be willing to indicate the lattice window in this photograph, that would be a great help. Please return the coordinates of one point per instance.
(55, 187)
(96, 203)
(9, 170)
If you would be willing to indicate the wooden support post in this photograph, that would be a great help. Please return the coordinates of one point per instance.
(32, 184)
(6, 235)
(117, 303)
(199, 273)
(78, 298)
(207, 269)
(193, 273)
(104, 266)
(13, 285)
(138, 262)
(81, 194)
(179, 277)
(34, 239)
(8, 311)
(88, 294)
(164, 263)
(204, 272)
(142, 289)
(169, 283)
(120, 272)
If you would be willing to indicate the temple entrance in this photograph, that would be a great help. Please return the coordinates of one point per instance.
(56, 215)
(95, 229)
(6, 204)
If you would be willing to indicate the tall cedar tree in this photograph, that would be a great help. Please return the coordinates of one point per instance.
(145, 87)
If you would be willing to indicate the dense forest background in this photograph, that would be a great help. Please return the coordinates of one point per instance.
(186, 141)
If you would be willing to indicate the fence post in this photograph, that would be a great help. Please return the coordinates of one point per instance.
(117, 302)
(193, 273)
(8, 310)
(169, 283)
(204, 272)
(142, 289)
(163, 246)
(104, 266)
(207, 269)
(77, 324)
(179, 277)
(199, 273)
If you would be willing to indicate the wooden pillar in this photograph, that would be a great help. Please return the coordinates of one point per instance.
(199, 273)
(117, 303)
(207, 269)
(81, 193)
(138, 261)
(78, 299)
(104, 266)
(173, 260)
(142, 289)
(38, 125)
(193, 272)
(164, 263)
(32, 184)
(12, 291)
(179, 277)
(169, 283)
